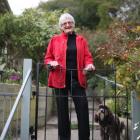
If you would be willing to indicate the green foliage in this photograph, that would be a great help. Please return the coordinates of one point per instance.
(122, 50)
(129, 11)
(58, 5)
(103, 13)
(119, 106)
(27, 35)
(12, 76)
(88, 13)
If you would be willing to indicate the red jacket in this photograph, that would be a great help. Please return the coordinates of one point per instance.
(56, 51)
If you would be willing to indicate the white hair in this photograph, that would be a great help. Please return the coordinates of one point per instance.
(64, 17)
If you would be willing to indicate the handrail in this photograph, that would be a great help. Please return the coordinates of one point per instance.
(8, 94)
(4, 132)
(110, 81)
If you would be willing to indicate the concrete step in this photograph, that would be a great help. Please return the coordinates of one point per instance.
(74, 126)
(52, 134)
(52, 122)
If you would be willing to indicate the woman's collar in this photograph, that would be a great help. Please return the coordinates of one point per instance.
(65, 35)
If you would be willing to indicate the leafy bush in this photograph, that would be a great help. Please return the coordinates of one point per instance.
(122, 49)
(12, 76)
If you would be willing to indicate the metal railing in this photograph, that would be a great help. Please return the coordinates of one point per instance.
(91, 100)
(25, 89)
(135, 115)
(109, 81)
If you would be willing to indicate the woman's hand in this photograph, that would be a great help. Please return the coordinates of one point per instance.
(53, 64)
(89, 67)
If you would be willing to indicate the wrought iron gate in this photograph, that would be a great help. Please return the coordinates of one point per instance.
(100, 91)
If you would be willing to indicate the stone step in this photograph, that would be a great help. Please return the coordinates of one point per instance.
(73, 126)
(52, 134)
(53, 119)
(90, 106)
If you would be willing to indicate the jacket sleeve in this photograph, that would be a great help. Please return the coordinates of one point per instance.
(88, 59)
(49, 53)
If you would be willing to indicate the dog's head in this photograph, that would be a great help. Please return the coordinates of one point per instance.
(103, 113)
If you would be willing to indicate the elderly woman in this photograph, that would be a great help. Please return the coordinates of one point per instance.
(69, 57)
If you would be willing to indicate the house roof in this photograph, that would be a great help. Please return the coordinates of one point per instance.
(4, 6)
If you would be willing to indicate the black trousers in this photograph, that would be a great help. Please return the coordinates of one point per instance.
(81, 107)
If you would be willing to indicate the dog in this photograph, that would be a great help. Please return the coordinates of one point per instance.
(110, 125)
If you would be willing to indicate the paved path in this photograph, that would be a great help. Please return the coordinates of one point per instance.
(53, 135)
(51, 132)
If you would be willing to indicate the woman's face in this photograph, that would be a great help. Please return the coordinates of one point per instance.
(67, 26)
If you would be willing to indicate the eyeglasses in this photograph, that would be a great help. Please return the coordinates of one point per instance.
(69, 23)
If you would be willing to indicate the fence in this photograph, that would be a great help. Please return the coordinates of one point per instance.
(104, 92)
(6, 103)
(104, 95)
(25, 94)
